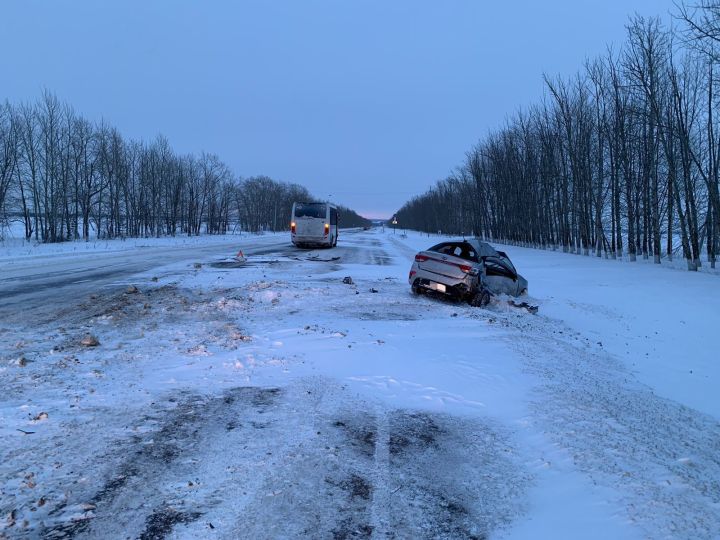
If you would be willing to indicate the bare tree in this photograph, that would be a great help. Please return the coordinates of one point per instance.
(8, 156)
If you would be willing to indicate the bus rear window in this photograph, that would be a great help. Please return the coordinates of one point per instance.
(310, 210)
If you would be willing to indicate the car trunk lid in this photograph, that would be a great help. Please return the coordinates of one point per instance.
(444, 265)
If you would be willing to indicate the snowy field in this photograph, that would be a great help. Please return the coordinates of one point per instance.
(272, 400)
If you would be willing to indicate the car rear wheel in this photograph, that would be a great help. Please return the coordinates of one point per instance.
(480, 298)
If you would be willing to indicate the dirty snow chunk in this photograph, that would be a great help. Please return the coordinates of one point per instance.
(20, 361)
(348, 280)
(269, 296)
(199, 350)
(132, 289)
(197, 265)
(239, 336)
(89, 341)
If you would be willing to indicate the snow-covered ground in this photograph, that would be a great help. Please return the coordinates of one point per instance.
(273, 400)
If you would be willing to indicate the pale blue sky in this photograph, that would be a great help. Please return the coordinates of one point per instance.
(365, 102)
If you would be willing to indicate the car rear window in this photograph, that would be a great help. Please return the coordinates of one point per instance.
(462, 250)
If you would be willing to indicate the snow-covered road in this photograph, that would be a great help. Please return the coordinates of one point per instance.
(274, 400)
(32, 282)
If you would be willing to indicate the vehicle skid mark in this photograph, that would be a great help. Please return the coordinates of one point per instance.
(143, 472)
(392, 473)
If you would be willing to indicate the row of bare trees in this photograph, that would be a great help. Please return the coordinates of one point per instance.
(65, 178)
(622, 159)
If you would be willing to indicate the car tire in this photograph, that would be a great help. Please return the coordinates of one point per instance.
(416, 290)
(481, 298)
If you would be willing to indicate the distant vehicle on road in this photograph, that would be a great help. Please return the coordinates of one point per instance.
(470, 270)
(314, 224)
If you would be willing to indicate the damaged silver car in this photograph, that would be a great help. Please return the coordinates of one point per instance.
(468, 269)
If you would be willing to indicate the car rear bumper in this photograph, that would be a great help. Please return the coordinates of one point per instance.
(438, 283)
(459, 291)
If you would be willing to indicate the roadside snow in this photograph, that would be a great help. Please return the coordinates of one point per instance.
(657, 321)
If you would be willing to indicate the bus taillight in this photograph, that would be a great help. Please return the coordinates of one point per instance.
(327, 229)
(292, 227)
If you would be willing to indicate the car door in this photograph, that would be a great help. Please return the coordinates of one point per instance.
(504, 258)
(500, 277)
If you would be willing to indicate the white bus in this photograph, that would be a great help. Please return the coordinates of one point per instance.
(314, 224)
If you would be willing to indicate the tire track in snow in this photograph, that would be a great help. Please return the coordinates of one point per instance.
(307, 460)
(381, 493)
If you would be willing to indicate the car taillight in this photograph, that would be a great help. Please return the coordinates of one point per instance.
(465, 268)
(292, 227)
(327, 229)
(412, 273)
(421, 258)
